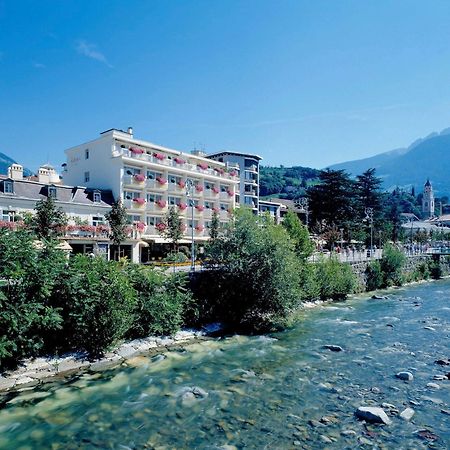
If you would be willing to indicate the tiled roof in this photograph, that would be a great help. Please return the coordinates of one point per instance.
(28, 189)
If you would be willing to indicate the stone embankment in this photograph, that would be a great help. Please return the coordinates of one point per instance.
(34, 372)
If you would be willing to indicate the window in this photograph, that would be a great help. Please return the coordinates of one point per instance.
(86, 177)
(152, 220)
(153, 175)
(98, 220)
(133, 219)
(209, 205)
(97, 197)
(223, 206)
(128, 170)
(52, 191)
(173, 179)
(86, 154)
(173, 201)
(128, 195)
(153, 198)
(8, 187)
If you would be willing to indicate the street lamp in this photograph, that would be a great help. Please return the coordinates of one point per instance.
(304, 204)
(369, 218)
(189, 194)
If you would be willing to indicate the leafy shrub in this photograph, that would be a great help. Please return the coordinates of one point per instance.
(161, 301)
(336, 280)
(374, 276)
(97, 302)
(391, 265)
(29, 273)
(178, 257)
(257, 283)
(435, 269)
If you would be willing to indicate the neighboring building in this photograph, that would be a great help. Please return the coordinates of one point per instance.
(247, 166)
(428, 201)
(149, 179)
(276, 210)
(87, 231)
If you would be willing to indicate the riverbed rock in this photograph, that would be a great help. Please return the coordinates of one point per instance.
(373, 414)
(379, 297)
(443, 362)
(407, 414)
(333, 348)
(433, 386)
(406, 376)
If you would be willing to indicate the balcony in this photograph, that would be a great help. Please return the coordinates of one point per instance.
(131, 180)
(183, 164)
(136, 205)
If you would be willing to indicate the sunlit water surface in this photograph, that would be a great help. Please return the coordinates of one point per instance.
(278, 391)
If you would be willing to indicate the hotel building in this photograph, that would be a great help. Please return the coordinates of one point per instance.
(149, 179)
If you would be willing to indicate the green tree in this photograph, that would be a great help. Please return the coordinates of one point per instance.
(49, 220)
(257, 280)
(117, 219)
(391, 265)
(173, 229)
(215, 226)
(299, 234)
(332, 200)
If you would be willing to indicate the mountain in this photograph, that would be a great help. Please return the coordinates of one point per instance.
(6, 161)
(405, 167)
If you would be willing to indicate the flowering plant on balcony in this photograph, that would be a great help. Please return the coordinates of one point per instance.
(161, 180)
(233, 173)
(86, 228)
(139, 200)
(200, 208)
(179, 160)
(215, 209)
(215, 189)
(202, 166)
(181, 184)
(136, 151)
(182, 206)
(219, 170)
(139, 177)
(230, 193)
(199, 227)
(140, 226)
(199, 188)
(161, 203)
(102, 229)
(159, 156)
(183, 227)
(160, 226)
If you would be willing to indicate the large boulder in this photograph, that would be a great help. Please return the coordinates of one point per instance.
(373, 414)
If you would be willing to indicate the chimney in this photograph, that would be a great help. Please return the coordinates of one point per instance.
(130, 131)
(15, 172)
(43, 175)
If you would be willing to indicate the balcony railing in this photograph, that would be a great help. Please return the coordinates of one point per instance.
(172, 163)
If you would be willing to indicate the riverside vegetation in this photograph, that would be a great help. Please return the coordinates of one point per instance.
(258, 276)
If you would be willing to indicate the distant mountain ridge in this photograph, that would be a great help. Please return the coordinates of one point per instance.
(412, 166)
(6, 161)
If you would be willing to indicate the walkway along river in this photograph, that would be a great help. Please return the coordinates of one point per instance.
(287, 390)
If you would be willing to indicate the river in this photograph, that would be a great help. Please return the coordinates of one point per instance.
(277, 392)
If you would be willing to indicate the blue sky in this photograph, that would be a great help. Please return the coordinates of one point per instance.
(298, 82)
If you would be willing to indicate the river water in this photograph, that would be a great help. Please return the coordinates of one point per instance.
(279, 391)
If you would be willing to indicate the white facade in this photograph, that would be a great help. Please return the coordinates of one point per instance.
(149, 179)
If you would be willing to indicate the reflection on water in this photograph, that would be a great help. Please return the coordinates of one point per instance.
(275, 392)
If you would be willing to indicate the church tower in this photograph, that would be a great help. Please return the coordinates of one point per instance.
(428, 201)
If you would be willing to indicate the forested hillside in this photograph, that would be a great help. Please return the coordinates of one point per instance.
(286, 182)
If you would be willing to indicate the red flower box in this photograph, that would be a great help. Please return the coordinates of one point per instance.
(230, 193)
(161, 226)
(179, 160)
(139, 200)
(139, 177)
(219, 170)
(140, 226)
(161, 203)
(159, 156)
(215, 209)
(136, 151)
(233, 173)
(182, 206)
(200, 208)
(199, 188)
(161, 180)
(215, 190)
(181, 184)
(202, 166)
(199, 227)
